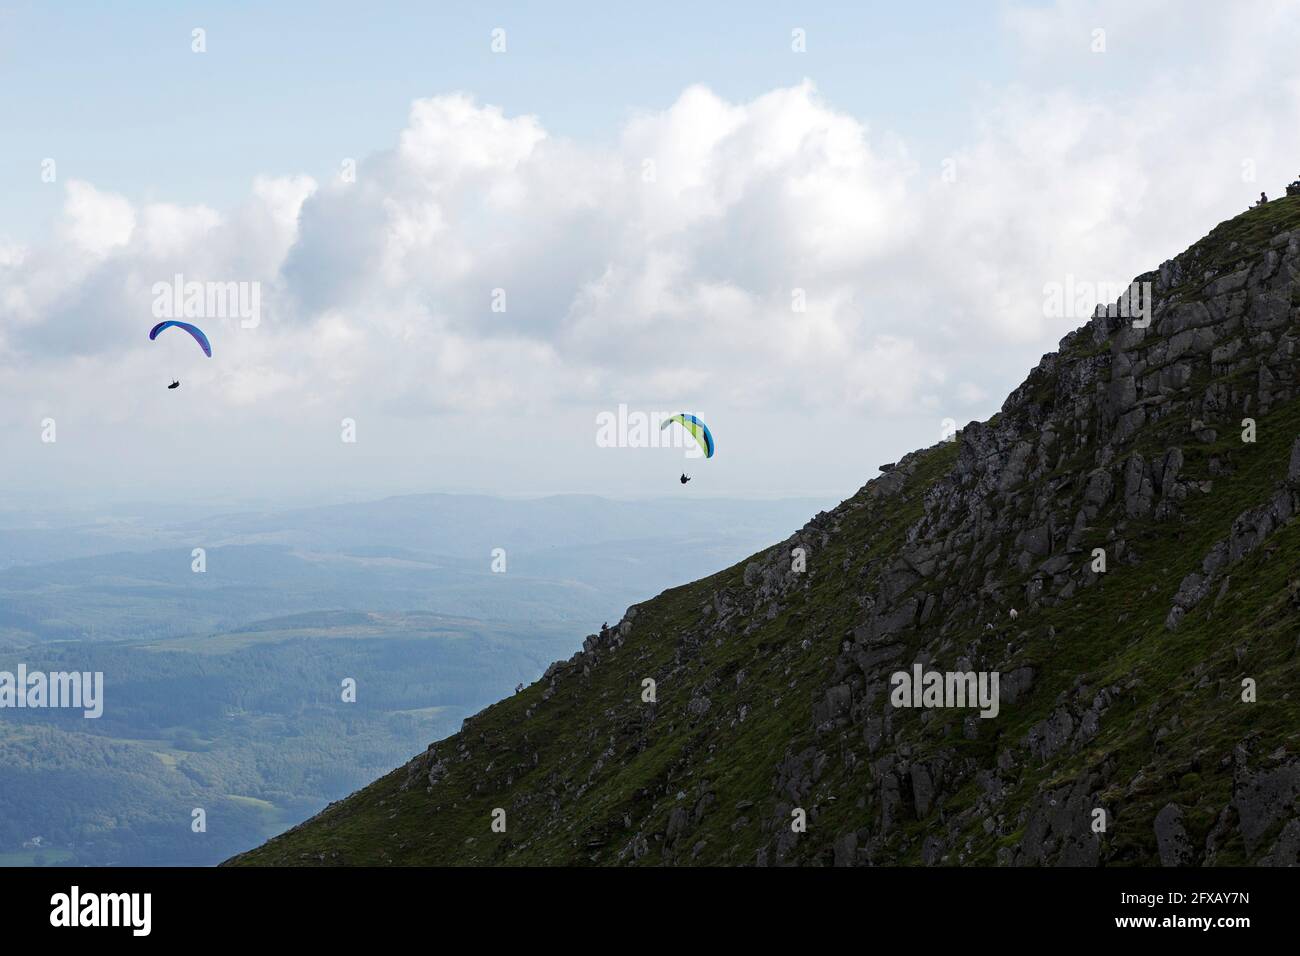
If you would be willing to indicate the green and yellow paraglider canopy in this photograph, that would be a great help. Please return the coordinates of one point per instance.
(697, 428)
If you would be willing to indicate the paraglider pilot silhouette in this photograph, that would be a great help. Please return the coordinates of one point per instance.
(175, 384)
(685, 477)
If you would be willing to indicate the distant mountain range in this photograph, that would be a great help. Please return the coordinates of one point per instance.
(567, 559)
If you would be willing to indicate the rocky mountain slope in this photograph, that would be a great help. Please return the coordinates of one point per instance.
(1148, 707)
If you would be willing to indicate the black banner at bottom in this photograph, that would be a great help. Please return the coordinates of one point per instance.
(333, 906)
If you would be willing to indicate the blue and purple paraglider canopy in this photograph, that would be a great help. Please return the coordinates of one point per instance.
(194, 330)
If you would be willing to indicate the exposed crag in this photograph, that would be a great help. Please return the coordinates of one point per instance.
(1111, 544)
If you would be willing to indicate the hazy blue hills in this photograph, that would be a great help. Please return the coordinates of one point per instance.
(224, 689)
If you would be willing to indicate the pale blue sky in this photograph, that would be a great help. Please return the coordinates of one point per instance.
(924, 295)
(114, 94)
